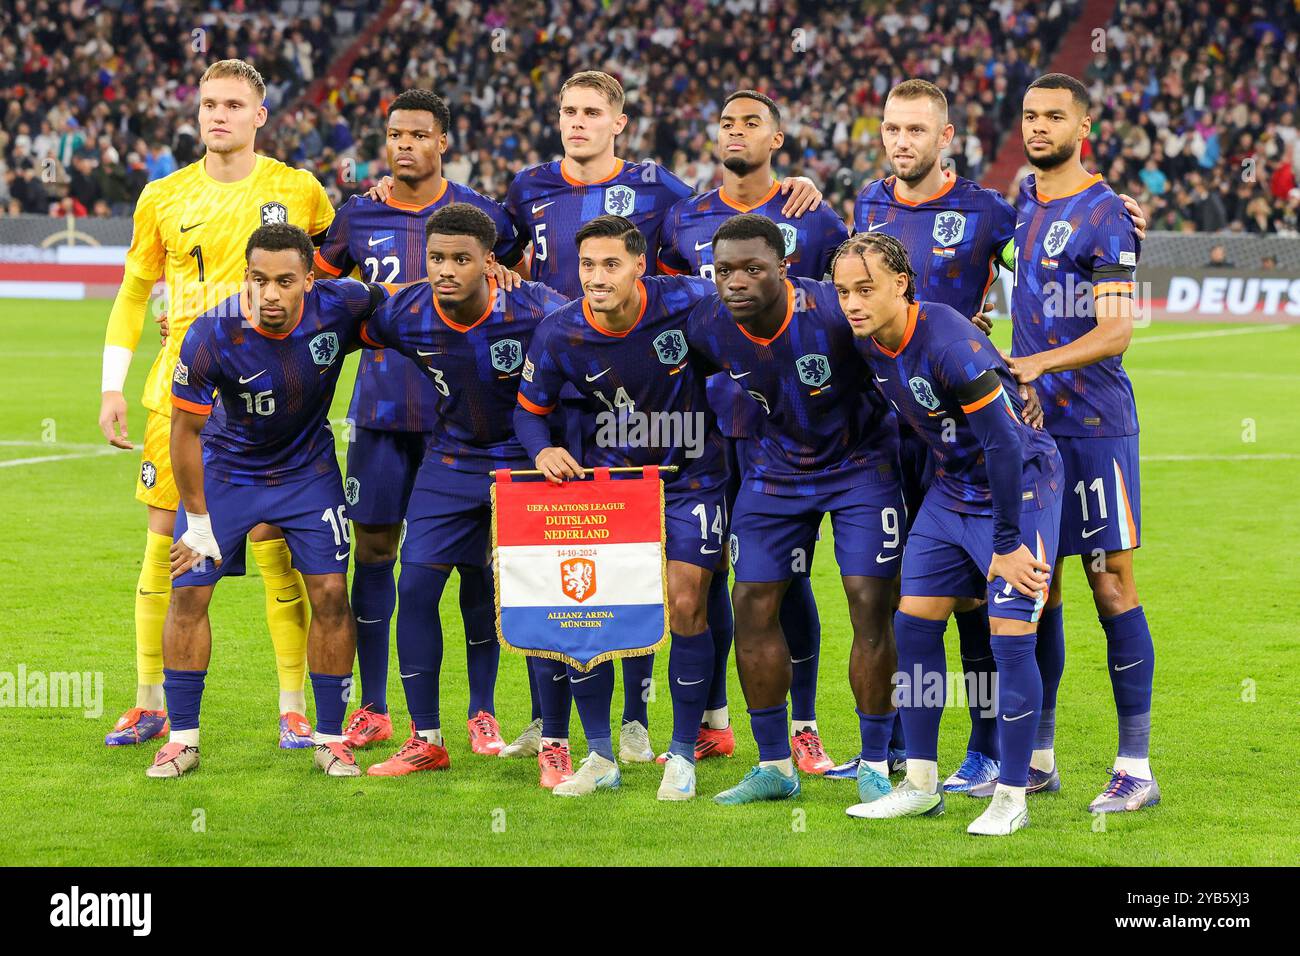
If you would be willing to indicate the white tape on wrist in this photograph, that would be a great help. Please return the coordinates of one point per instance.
(117, 362)
(198, 536)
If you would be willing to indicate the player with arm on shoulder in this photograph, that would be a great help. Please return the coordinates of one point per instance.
(827, 445)
(987, 527)
(190, 228)
(394, 405)
(1076, 254)
(749, 135)
(623, 347)
(272, 356)
(468, 337)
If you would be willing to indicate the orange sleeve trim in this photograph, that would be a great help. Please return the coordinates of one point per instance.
(325, 266)
(667, 269)
(977, 405)
(365, 336)
(534, 407)
(1111, 288)
(189, 406)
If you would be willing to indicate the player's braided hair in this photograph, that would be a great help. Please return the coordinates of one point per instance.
(893, 252)
(462, 219)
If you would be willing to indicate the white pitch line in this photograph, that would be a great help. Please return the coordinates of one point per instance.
(1210, 334)
(15, 462)
(1280, 456)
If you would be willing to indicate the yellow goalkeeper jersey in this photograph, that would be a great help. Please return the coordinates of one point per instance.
(192, 230)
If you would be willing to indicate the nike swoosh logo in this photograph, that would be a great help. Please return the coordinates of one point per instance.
(559, 677)
(537, 208)
(1089, 534)
(881, 380)
(874, 226)
(703, 245)
(362, 620)
(185, 229)
(340, 555)
(438, 352)
(737, 378)
(1003, 598)
(372, 241)
(579, 680)
(802, 660)
(592, 378)
(1019, 224)
(704, 550)
(1022, 716)
(1127, 666)
(245, 381)
(280, 600)
(147, 593)
(477, 643)
(405, 676)
(880, 560)
(690, 683)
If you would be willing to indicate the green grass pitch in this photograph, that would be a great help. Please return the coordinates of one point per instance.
(1221, 445)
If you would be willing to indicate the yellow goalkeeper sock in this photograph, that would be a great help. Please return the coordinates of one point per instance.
(152, 595)
(287, 616)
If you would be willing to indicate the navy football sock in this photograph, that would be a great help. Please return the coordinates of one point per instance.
(1131, 660)
(331, 692)
(979, 669)
(920, 658)
(374, 596)
(1050, 654)
(770, 726)
(875, 730)
(533, 696)
(638, 672)
(722, 626)
(554, 697)
(419, 641)
(482, 652)
(803, 635)
(897, 739)
(690, 668)
(1020, 697)
(593, 692)
(183, 691)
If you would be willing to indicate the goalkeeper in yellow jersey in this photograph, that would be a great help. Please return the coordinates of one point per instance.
(191, 228)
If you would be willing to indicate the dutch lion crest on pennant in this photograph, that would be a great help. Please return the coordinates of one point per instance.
(578, 578)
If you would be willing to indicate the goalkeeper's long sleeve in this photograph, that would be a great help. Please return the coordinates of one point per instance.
(125, 325)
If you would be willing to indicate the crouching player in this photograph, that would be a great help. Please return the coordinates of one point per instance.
(987, 526)
(273, 355)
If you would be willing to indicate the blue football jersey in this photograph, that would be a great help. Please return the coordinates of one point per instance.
(385, 241)
(686, 246)
(1067, 247)
(548, 208)
(822, 426)
(473, 370)
(953, 239)
(941, 353)
(641, 398)
(275, 388)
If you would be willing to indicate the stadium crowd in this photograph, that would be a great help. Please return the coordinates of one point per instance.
(1197, 118)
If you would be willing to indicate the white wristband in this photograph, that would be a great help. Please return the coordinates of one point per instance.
(117, 362)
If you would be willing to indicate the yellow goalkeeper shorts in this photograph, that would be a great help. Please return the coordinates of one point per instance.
(155, 484)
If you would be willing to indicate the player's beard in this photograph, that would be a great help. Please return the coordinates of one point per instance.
(919, 173)
(739, 165)
(1057, 157)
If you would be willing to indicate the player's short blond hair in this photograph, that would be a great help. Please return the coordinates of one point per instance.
(602, 83)
(921, 90)
(236, 70)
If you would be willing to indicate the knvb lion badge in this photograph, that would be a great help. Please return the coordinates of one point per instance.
(580, 567)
